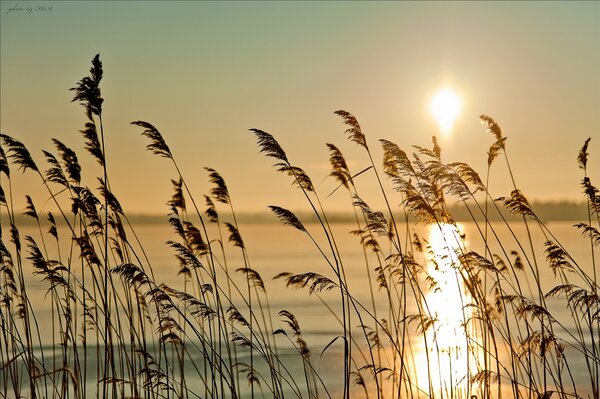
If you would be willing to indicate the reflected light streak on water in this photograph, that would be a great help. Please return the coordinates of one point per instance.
(452, 358)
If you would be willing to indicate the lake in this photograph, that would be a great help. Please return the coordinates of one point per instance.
(273, 249)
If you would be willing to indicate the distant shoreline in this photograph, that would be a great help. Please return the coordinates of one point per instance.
(546, 211)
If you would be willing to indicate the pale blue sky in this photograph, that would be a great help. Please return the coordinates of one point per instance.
(204, 73)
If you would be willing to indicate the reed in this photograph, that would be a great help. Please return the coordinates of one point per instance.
(443, 318)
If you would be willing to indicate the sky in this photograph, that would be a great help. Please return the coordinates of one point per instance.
(204, 73)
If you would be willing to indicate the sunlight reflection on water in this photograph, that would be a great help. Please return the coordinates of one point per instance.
(451, 358)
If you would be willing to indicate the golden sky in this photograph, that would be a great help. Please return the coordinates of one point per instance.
(206, 72)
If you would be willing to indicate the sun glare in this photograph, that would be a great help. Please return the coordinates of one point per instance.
(445, 107)
(454, 359)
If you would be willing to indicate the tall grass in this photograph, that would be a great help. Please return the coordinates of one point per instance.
(442, 320)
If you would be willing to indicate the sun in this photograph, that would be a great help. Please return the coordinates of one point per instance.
(445, 106)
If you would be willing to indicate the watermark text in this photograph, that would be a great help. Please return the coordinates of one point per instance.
(29, 9)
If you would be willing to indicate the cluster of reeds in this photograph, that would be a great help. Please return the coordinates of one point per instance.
(118, 332)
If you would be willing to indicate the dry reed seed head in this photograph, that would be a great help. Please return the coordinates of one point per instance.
(132, 274)
(30, 208)
(493, 153)
(253, 276)
(185, 256)
(468, 175)
(251, 373)
(437, 150)
(21, 308)
(184, 271)
(291, 321)
(69, 158)
(592, 194)
(420, 207)
(279, 331)
(35, 256)
(301, 179)
(176, 224)
(557, 258)
(495, 150)
(586, 300)
(436, 171)
(518, 205)
(314, 281)
(196, 307)
(87, 202)
(373, 338)
(482, 377)
(204, 288)
(474, 262)
(582, 157)
(376, 222)
(541, 342)
(376, 370)
(395, 161)
(589, 232)
(5, 255)
(4, 163)
(498, 304)
(194, 239)
(354, 131)
(545, 395)
(15, 238)
(339, 168)
(55, 174)
(177, 199)
(367, 240)
(500, 264)
(219, 190)
(417, 243)
(269, 146)
(116, 249)
(492, 127)
(303, 347)
(287, 217)
(92, 142)
(18, 153)
(518, 263)
(114, 220)
(453, 185)
(381, 278)
(211, 210)
(87, 91)
(358, 379)
(283, 275)
(424, 151)
(422, 322)
(234, 236)
(109, 197)
(157, 145)
(87, 251)
(203, 311)
(236, 316)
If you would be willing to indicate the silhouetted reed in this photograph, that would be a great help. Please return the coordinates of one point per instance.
(443, 318)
